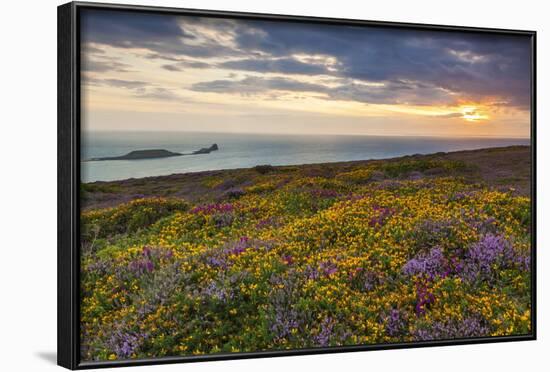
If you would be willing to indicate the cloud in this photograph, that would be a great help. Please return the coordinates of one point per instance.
(157, 93)
(473, 65)
(392, 92)
(180, 66)
(94, 65)
(139, 89)
(414, 66)
(157, 56)
(171, 67)
(94, 59)
(280, 65)
(288, 65)
(91, 49)
(116, 83)
(252, 85)
(398, 92)
(450, 116)
(127, 84)
(162, 34)
(472, 114)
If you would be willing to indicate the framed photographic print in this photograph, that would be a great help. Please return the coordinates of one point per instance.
(236, 185)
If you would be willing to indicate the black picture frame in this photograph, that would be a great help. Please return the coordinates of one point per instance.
(68, 92)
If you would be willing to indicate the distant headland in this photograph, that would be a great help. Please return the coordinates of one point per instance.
(155, 154)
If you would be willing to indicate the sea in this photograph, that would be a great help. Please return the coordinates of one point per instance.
(237, 150)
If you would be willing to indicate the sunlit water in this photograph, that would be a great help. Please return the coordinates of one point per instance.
(247, 150)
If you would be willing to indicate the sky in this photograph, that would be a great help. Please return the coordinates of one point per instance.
(146, 71)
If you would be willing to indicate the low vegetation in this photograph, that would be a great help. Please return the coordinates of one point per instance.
(406, 250)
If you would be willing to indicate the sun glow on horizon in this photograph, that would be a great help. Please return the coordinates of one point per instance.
(473, 114)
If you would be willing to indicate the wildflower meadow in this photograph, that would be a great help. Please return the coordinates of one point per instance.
(271, 258)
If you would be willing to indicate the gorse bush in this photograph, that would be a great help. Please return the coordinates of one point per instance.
(357, 176)
(402, 167)
(128, 218)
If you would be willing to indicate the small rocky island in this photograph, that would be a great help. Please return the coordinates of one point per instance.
(155, 154)
(205, 150)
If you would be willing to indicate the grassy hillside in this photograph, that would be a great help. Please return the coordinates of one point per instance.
(415, 248)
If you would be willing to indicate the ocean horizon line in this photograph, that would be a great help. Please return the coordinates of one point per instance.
(100, 131)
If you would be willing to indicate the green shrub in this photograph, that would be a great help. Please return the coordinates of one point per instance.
(264, 169)
(129, 217)
(402, 167)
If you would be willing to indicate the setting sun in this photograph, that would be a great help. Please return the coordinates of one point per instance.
(471, 113)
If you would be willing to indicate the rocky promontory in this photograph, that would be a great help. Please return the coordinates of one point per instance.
(155, 154)
(206, 150)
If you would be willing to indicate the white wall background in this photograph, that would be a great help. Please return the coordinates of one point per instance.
(28, 184)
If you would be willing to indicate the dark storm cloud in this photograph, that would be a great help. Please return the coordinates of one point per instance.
(477, 65)
(416, 66)
(160, 34)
